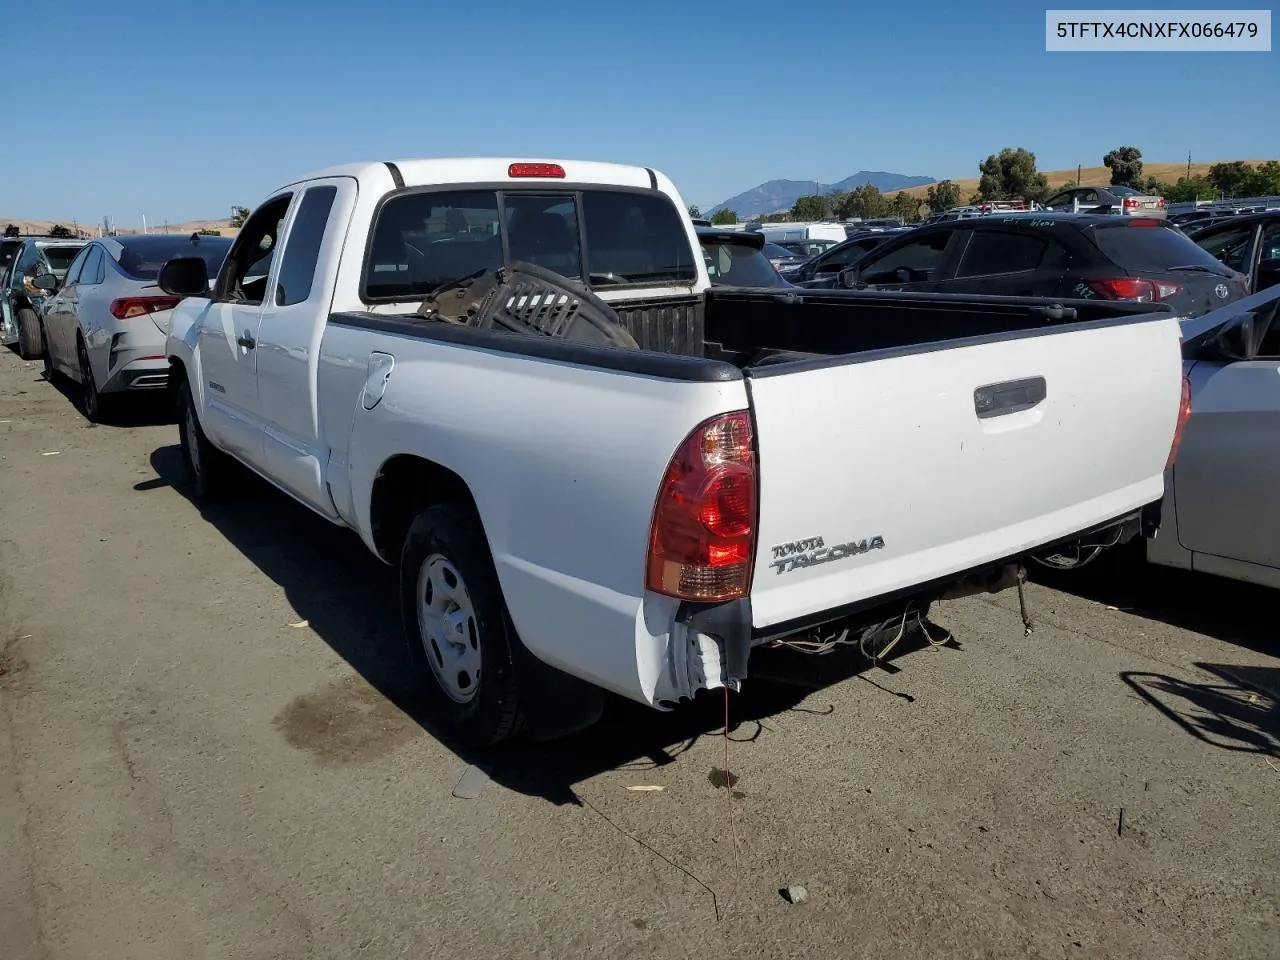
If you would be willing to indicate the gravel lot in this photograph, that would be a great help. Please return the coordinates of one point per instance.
(205, 753)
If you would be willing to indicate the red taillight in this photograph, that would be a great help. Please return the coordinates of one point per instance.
(128, 307)
(1160, 202)
(702, 539)
(535, 170)
(1134, 288)
(1130, 202)
(1184, 414)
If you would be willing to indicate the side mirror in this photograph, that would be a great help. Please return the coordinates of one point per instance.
(46, 281)
(848, 279)
(185, 277)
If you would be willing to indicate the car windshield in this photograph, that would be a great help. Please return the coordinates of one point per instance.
(142, 258)
(1140, 247)
(60, 258)
(775, 252)
(738, 264)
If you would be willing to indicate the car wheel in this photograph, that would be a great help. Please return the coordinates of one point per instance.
(93, 403)
(206, 466)
(457, 630)
(30, 341)
(48, 355)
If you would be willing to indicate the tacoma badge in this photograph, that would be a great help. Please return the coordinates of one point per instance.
(807, 553)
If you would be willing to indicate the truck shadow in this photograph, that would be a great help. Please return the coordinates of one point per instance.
(1239, 710)
(1214, 606)
(350, 601)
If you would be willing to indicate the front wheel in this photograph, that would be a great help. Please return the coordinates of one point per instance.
(30, 340)
(206, 465)
(457, 630)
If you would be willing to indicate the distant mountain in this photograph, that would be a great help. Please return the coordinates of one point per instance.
(779, 195)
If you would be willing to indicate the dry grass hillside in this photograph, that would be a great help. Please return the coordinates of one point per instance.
(1090, 176)
(35, 227)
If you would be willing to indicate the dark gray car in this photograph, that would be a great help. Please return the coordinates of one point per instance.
(21, 301)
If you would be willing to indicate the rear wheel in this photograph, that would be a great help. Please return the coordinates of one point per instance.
(206, 465)
(30, 340)
(48, 355)
(93, 403)
(457, 630)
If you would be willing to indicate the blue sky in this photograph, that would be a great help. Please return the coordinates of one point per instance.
(228, 98)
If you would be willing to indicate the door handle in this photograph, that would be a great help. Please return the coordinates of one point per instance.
(247, 341)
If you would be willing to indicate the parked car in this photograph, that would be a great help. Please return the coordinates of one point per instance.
(21, 301)
(1221, 513)
(1248, 244)
(636, 506)
(781, 257)
(1087, 256)
(736, 259)
(105, 324)
(1112, 199)
(842, 255)
(807, 248)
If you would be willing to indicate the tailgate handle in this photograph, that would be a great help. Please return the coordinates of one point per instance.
(1000, 399)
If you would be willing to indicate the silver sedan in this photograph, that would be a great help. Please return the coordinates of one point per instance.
(1221, 511)
(105, 324)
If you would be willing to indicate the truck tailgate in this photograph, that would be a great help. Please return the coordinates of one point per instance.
(885, 470)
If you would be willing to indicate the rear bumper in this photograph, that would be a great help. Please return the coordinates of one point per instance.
(144, 373)
(729, 625)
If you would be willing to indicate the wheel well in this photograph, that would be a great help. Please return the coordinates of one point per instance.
(404, 487)
(177, 377)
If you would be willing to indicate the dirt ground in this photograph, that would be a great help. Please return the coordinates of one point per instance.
(204, 754)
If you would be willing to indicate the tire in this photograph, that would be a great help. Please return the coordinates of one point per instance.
(30, 340)
(49, 372)
(206, 466)
(93, 404)
(449, 588)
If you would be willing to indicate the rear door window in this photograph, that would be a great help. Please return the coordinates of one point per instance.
(302, 250)
(994, 252)
(1149, 248)
(1229, 245)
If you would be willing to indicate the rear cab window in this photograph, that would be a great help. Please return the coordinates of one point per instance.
(1136, 246)
(603, 237)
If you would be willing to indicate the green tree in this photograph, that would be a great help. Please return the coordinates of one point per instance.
(1188, 189)
(12, 231)
(239, 215)
(206, 232)
(863, 203)
(1264, 181)
(694, 212)
(905, 206)
(722, 217)
(811, 208)
(1152, 186)
(1125, 164)
(61, 232)
(942, 196)
(1230, 178)
(776, 217)
(1011, 175)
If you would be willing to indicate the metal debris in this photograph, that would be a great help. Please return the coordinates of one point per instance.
(794, 894)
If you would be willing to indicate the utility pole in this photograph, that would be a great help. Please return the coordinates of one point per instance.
(144, 223)
(1077, 174)
(1188, 164)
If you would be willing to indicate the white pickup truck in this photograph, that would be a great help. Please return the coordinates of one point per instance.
(569, 517)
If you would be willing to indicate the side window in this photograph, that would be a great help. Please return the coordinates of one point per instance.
(302, 252)
(1059, 202)
(73, 271)
(1268, 274)
(914, 262)
(995, 252)
(423, 240)
(244, 273)
(1088, 196)
(1230, 245)
(92, 270)
(839, 259)
(29, 260)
